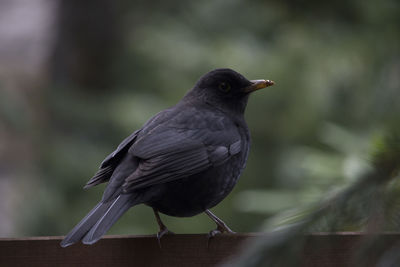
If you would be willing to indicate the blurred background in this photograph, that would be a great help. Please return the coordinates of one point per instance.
(76, 77)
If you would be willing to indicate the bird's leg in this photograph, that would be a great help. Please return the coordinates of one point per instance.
(163, 229)
(221, 226)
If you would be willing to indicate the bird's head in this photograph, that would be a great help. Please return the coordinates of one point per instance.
(225, 89)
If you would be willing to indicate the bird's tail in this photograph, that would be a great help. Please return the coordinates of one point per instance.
(99, 220)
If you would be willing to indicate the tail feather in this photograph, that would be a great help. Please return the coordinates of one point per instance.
(80, 230)
(121, 204)
(98, 221)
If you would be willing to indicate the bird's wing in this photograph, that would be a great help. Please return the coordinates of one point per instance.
(122, 147)
(109, 164)
(112, 161)
(170, 153)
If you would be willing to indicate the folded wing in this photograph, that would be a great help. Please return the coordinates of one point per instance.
(169, 154)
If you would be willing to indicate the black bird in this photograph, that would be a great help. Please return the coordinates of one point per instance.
(182, 162)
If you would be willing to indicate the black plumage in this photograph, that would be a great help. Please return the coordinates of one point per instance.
(182, 162)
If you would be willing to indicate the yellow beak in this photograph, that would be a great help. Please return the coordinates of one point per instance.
(258, 84)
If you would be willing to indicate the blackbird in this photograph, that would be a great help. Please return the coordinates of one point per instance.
(182, 162)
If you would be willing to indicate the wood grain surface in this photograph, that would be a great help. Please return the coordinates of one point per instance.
(176, 250)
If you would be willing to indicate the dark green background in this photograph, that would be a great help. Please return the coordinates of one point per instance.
(115, 64)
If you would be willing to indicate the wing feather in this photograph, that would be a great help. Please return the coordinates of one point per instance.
(168, 167)
(109, 164)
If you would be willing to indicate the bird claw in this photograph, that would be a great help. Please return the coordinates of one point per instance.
(220, 230)
(161, 233)
(221, 227)
(163, 229)
(213, 233)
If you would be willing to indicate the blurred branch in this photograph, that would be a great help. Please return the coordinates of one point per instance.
(365, 205)
(88, 38)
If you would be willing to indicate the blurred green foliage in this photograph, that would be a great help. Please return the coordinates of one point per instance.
(371, 205)
(336, 66)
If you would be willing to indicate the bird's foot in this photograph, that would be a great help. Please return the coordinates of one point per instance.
(163, 231)
(213, 233)
(221, 229)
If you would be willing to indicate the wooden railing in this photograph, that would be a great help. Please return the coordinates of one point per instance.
(176, 250)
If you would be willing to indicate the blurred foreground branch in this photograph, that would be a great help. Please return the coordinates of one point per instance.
(370, 205)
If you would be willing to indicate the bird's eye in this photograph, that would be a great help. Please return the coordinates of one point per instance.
(224, 87)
